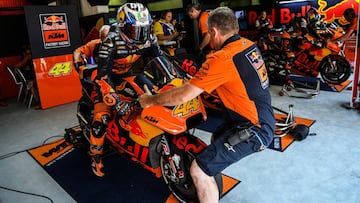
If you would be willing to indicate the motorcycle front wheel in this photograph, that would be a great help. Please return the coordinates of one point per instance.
(335, 69)
(183, 189)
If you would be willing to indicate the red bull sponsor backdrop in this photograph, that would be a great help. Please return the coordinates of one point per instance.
(54, 33)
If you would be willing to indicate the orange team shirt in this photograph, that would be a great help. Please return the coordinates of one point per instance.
(219, 72)
(203, 24)
(88, 48)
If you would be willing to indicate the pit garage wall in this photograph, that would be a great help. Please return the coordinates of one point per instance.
(54, 34)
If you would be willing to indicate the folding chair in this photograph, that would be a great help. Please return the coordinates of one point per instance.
(28, 85)
(17, 81)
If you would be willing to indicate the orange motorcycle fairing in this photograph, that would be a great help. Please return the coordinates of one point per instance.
(122, 141)
(174, 119)
(143, 137)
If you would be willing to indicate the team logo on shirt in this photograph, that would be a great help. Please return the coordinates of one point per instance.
(257, 62)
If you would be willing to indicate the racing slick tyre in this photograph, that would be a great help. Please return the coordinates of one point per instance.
(335, 69)
(183, 188)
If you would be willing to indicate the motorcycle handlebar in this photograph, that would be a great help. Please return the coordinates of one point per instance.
(78, 64)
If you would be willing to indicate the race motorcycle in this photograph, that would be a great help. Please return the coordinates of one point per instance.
(306, 55)
(157, 137)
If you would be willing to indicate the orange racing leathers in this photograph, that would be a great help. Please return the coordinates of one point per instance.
(117, 55)
(89, 49)
(238, 74)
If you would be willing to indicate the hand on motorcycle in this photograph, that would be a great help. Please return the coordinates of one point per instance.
(144, 98)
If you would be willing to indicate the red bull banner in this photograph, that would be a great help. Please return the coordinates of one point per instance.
(333, 10)
(54, 33)
(330, 10)
(53, 30)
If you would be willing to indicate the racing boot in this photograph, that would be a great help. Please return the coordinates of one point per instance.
(97, 165)
(97, 136)
(96, 159)
(96, 150)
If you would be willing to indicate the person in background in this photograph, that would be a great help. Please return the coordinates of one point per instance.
(237, 72)
(194, 12)
(182, 33)
(351, 17)
(297, 27)
(165, 31)
(174, 23)
(91, 48)
(121, 49)
(263, 24)
(27, 68)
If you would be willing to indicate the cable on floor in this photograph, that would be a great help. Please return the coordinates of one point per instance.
(18, 152)
(27, 193)
(55, 136)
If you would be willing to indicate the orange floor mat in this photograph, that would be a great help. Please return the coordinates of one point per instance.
(281, 143)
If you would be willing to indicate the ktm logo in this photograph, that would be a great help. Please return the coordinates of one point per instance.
(56, 36)
(151, 119)
(55, 150)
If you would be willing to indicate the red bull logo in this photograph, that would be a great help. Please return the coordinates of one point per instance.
(53, 22)
(53, 19)
(332, 13)
(255, 58)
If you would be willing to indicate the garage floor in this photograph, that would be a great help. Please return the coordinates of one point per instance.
(322, 168)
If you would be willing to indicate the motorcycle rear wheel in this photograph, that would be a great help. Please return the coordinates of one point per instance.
(335, 69)
(184, 189)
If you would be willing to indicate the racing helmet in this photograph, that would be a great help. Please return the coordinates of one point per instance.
(135, 21)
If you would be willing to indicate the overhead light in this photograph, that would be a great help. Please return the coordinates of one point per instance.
(293, 1)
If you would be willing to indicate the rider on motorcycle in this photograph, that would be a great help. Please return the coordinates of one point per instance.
(314, 27)
(117, 54)
(91, 48)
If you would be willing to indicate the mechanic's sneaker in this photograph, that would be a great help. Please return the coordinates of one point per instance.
(97, 166)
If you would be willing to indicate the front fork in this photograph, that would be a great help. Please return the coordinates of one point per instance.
(332, 65)
(173, 161)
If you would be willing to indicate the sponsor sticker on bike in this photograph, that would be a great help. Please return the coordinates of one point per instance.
(186, 108)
